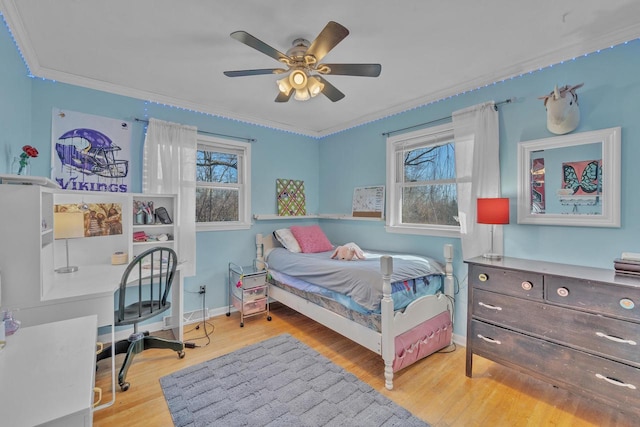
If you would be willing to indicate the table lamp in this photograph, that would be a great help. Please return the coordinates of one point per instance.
(68, 225)
(493, 211)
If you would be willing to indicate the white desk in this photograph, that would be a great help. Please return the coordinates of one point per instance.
(48, 374)
(90, 291)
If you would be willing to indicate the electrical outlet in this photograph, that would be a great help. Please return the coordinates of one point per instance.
(203, 289)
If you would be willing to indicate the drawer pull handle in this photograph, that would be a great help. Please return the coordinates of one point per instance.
(616, 339)
(491, 340)
(489, 306)
(616, 382)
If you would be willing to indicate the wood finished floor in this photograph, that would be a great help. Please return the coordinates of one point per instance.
(435, 389)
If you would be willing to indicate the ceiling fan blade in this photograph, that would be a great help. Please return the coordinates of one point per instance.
(241, 73)
(283, 97)
(251, 41)
(330, 91)
(362, 70)
(332, 34)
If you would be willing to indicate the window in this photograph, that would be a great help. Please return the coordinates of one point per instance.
(421, 183)
(223, 192)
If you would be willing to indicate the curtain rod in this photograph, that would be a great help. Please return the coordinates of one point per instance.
(204, 132)
(495, 106)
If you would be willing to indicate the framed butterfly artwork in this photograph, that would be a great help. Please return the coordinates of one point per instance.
(571, 179)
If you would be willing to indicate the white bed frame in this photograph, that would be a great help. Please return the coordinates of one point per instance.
(383, 343)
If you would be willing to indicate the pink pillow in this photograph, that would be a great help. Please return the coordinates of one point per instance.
(311, 239)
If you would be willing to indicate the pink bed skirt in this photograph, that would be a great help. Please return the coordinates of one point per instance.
(422, 340)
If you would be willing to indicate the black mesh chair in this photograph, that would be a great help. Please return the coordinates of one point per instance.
(144, 288)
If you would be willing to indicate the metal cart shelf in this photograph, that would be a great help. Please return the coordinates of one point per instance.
(249, 290)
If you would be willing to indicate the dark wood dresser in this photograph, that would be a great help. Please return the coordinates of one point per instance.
(574, 327)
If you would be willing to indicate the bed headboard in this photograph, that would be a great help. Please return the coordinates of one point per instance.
(264, 244)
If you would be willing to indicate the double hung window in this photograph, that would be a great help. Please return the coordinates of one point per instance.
(421, 183)
(223, 192)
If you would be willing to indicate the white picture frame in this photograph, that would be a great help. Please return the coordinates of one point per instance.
(601, 209)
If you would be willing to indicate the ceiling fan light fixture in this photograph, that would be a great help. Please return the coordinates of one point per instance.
(315, 86)
(302, 94)
(284, 86)
(298, 79)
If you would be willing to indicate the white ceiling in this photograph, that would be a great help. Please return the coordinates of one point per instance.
(174, 52)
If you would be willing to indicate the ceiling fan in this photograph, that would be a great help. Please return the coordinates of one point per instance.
(303, 62)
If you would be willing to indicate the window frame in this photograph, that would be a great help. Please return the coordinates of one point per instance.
(417, 139)
(217, 144)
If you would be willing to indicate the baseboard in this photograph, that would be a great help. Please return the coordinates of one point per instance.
(459, 340)
(188, 317)
(191, 317)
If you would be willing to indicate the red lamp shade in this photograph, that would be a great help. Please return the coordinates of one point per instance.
(493, 211)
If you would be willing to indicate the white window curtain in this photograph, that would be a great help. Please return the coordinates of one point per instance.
(477, 137)
(169, 167)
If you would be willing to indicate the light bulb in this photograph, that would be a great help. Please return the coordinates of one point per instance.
(298, 79)
(302, 94)
(315, 86)
(284, 86)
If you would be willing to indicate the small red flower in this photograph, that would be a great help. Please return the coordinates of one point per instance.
(30, 151)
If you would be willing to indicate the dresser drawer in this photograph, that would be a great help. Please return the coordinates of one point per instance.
(522, 284)
(619, 301)
(605, 336)
(616, 383)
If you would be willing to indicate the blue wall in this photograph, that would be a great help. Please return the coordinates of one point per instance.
(333, 166)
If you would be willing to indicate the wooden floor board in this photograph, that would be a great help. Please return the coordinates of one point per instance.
(435, 389)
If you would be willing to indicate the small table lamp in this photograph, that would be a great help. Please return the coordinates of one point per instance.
(68, 225)
(493, 211)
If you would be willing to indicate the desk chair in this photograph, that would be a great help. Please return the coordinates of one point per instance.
(147, 281)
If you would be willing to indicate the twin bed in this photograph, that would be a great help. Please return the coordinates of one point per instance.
(399, 306)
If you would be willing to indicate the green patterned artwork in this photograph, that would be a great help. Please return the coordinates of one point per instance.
(290, 196)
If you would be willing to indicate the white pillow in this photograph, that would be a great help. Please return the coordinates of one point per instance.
(286, 239)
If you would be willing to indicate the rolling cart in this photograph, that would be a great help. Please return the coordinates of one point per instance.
(249, 290)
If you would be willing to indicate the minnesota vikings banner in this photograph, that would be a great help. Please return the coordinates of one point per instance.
(90, 153)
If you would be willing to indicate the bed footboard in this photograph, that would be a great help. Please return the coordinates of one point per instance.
(413, 317)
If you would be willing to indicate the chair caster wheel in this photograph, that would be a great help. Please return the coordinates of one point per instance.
(181, 354)
(269, 318)
(124, 386)
(228, 314)
(241, 325)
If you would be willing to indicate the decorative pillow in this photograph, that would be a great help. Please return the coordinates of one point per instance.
(311, 239)
(286, 239)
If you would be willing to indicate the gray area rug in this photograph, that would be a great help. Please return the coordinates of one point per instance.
(277, 382)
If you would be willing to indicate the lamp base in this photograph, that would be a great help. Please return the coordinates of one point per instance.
(67, 269)
(492, 256)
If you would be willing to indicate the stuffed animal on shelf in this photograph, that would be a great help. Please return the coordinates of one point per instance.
(348, 252)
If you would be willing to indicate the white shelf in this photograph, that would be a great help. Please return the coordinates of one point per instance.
(153, 242)
(147, 226)
(349, 217)
(270, 217)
